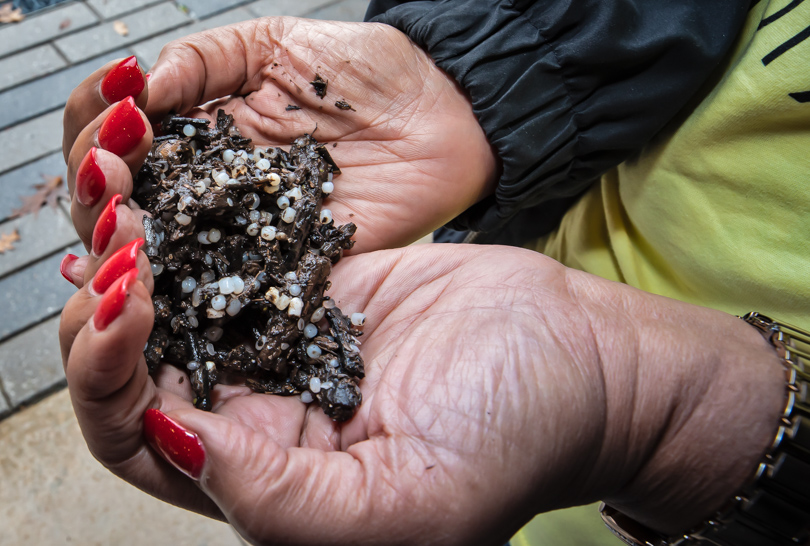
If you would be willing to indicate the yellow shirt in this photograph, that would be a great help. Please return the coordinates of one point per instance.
(713, 212)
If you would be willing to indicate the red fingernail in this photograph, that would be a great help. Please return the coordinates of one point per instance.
(115, 267)
(123, 128)
(175, 444)
(90, 180)
(148, 77)
(63, 267)
(125, 80)
(112, 302)
(105, 225)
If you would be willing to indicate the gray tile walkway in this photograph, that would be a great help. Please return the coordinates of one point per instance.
(142, 24)
(38, 29)
(31, 363)
(28, 65)
(294, 8)
(30, 140)
(16, 184)
(205, 8)
(34, 294)
(149, 50)
(47, 232)
(45, 94)
(116, 8)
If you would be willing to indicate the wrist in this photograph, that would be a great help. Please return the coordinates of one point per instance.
(693, 399)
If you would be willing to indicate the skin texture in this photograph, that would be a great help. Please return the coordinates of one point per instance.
(499, 383)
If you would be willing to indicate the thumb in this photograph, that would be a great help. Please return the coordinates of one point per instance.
(270, 494)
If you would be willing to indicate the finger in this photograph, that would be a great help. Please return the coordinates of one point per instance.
(109, 84)
(101, 179)
(194, 70)
(273, 495)
(72, 269)
(100, 274)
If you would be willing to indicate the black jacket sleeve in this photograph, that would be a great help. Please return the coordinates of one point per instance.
(566, 89)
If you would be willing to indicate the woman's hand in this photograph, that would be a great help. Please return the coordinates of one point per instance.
(499, 384)
(412, 153)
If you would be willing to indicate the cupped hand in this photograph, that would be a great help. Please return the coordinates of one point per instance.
(499, 384)
(410, 148)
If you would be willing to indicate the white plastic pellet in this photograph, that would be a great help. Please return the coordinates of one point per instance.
(228, 155)
(268, 233)
(254, 216)
(326, 216)
(283, 202)
(313, 351)
(218, 303)
(282, 302)
(318, 314)
(157, 269)
(294, 193)
(306, 397)
(328, 188)
(209, 348)
(288, 215)
(189, 284)
(193, 322)
(196, 297)
(310, 331)
(202, 237)
(329, 304)
(274, 179)
(253, 229)
(182, 219)
(334, 363)
(262, 164)
(358, 319)
(214, 235)
(193, 365)
(296, 306)
(234, 306)
(189, 130)
(221, 178)
(238, 285)
(295, 289)
(315, 385)
(225, 286)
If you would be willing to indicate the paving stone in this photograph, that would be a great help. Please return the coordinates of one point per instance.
(19, 183)
(31, 362)
(40, 235)
(44, 94)
(30, 140)
(55, 493)
(148, 51)
(295, 8)
(34, 294)
(4, 407)
(41, 28)
(204, 8)
(29, 65)
(113, 8)
(143, 24)
(347, 10)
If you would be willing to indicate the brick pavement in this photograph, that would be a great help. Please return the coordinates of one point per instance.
(41, 60)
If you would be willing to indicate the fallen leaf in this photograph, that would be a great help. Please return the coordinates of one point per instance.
(10, 15)
(47, 194)
(7, 240)
(121, 28)
(65, 24)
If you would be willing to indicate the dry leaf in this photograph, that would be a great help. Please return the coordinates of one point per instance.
(121, 28)
(7, 240)
(10, 15)
(65, 24)
(47, 194)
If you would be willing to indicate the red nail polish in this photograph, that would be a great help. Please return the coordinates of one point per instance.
(125, 80)
(183, 449)
(115, 267)
(105, 225)
(90, 180)
(113, 300)
(63, 267)
(148, 77)
(123, 128)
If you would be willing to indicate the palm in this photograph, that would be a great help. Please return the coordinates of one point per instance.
(447, 356)
(411, 152)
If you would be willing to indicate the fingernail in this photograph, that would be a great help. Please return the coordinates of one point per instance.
(148, 77)
(115, 267)
(125, 80)
(63, 267)
(105, 225)
(123, 128)
(90, 180)
(113, 300)
(183, 449)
